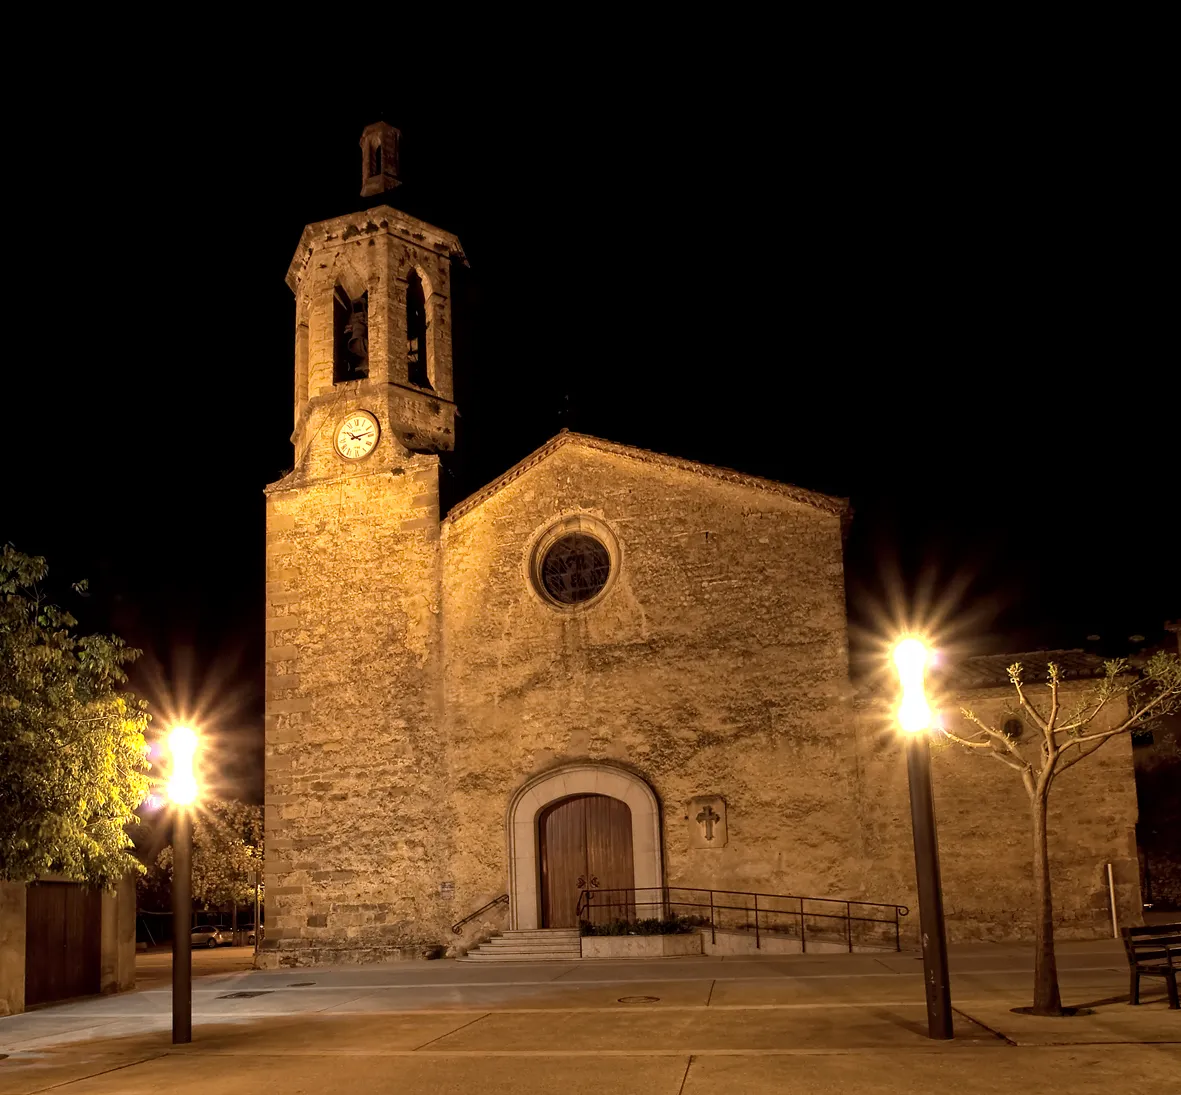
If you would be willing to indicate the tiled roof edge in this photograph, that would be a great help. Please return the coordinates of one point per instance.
(838, 507)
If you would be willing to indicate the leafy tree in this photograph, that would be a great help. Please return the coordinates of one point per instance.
(72, 751)
(227, 849)
(1070, 731)
(153, 889)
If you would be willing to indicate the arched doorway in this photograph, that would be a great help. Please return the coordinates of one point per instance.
(524, 833)
(585, 843)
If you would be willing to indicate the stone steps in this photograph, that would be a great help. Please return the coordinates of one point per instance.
(535, 945)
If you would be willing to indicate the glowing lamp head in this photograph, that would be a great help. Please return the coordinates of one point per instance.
(182, 787)
(910, 658)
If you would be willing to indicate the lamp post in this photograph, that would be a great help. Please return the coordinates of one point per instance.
(914, 716)
(182, 790)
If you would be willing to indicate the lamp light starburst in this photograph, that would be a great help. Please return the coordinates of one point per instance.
(182, 787)
(911, 658)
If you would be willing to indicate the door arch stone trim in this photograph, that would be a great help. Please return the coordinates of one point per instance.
(524, 868)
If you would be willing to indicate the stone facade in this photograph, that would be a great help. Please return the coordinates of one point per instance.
(425, 699)
(715, 663)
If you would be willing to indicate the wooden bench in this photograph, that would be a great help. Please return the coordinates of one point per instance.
(1154, 952)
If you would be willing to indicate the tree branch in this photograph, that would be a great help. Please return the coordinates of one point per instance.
(1016, 761)
(1126, 725)
(1055, 677)
(964, 741)
(1026, 705)
(997, 736)
(1078, 717)
(1082, 754)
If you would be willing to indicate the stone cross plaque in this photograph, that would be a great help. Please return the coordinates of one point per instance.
(707, 821)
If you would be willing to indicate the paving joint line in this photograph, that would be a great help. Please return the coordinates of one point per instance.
(332, 1007)
(980, 1023)
(104, 1072)
(615, 980)
(464, 1026)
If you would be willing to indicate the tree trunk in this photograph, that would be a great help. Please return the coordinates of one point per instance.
(234, 922)
(1046, 998)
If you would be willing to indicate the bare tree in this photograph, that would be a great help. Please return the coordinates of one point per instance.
(1070, 733)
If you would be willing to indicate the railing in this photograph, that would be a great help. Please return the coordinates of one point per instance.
(767, 914)
(458, 926)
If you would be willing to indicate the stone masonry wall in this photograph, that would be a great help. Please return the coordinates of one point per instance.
(416, 680)
(715, 664)
(356, 812)
(986, 834)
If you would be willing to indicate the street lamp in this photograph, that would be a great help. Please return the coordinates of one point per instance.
(911, 657)
(182, 790)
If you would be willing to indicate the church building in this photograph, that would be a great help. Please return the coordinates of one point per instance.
(607, 670)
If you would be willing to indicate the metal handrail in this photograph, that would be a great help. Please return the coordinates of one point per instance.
(483, 908)
(590, 900)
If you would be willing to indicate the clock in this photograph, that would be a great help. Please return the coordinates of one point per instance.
(357, 435)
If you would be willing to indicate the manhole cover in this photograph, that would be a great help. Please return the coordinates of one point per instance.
(638, 999)
(300, 984)
(243, 995)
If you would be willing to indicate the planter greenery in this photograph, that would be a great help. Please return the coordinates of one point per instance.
(673, 925)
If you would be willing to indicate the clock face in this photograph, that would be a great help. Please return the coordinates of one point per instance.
(357, 435)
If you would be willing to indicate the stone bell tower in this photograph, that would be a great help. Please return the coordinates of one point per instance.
(372, 312)
(353, 585)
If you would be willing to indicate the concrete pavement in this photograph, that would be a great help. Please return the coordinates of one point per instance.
(801, 1023)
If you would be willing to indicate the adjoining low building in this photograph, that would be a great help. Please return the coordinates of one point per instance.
(983, 811)
(1157, 756)
(60, 939)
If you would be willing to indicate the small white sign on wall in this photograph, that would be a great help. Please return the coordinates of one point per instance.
(447, 890)
(707, 821)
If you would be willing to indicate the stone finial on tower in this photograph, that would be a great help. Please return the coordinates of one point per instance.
(379, 159)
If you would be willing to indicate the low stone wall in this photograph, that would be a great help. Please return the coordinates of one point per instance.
(724, 942)
(640, 946)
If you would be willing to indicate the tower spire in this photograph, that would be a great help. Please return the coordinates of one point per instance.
(379, 159)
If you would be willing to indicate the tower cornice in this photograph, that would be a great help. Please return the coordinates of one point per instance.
(383, 219)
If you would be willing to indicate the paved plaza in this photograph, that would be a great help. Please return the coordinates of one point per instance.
(691, 1026)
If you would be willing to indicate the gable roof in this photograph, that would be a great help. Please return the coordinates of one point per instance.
(992, 670)
(838, 507)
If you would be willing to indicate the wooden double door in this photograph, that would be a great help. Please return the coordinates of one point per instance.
(63, 941)
(586, 844)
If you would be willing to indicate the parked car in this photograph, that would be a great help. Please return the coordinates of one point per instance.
(210, 936)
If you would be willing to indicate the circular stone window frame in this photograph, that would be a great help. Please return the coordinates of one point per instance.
(588, 525)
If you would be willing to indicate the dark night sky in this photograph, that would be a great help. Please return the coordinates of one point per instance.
(963, 334)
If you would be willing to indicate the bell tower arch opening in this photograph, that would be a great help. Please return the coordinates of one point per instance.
(417, 332)
(350, 336)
